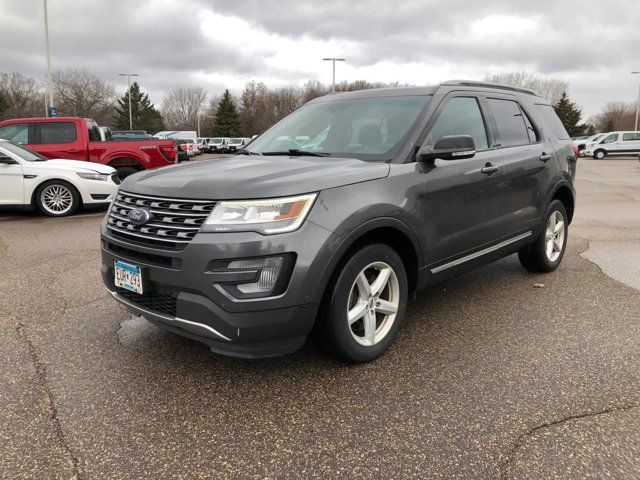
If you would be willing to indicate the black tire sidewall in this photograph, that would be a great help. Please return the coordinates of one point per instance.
(338, 333)
(535, 257)
(75, 198)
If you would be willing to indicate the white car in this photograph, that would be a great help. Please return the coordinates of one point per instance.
(56, 187)
(614, 143)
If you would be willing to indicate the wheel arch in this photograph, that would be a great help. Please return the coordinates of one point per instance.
(36, 188)
(129, 161)
(387, 230)
(564, 193)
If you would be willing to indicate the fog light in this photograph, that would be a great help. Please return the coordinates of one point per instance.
(269, 270)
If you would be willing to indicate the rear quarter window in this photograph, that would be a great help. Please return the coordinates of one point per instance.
(630, 136)
(551, 120)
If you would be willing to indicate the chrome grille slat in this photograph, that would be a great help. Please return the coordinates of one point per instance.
(173, 224)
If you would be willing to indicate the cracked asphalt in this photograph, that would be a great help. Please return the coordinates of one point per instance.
(489, 377)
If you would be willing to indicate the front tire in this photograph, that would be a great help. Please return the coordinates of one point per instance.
(599, 154)
(57, 198)
(365, 305)
(545, 254)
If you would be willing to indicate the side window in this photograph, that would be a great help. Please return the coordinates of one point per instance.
(533, 134)
(17, 133)
(59, 132)
(610, 138)
(512, 130)
(630, 136)
(460, 116)
(551, 120)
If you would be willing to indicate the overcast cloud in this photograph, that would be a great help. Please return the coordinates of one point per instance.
(593, 45)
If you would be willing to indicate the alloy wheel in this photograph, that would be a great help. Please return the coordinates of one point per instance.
(373, 303)
(57, 199)
(554, 236)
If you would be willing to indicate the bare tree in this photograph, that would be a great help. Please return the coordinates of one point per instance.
(22, 95)
(80, 93)
(616, 116)
(180, 108)
(549, 88)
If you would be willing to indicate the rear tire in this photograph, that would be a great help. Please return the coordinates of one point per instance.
(57, 198)
(545, 254)
(599, 154)
(365, 305)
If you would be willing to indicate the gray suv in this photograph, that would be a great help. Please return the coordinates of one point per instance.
(328, 222)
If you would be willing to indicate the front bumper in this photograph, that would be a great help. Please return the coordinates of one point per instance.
(183, 298)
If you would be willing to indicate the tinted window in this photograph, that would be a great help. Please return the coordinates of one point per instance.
(552, 121)
(94, 132)
(630, 136)
(18, 133)
(512, 130)
(610, 138)
(533, 134)
(460, 116)
(63, 132)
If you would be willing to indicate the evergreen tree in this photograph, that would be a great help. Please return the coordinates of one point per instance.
(226, 121)
(570, 114)
(143, 113)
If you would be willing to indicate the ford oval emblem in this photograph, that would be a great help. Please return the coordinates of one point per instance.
(139, 216)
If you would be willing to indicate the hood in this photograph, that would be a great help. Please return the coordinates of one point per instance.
(73, 165)
(250, 177)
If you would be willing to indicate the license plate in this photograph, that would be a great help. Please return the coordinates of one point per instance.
(128, 276)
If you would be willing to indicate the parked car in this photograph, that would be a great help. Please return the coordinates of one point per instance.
(76, 138)
(177, 134)
(614, 143)
(190, 146)
(410, 187)
(218, 145)
(181, 154)
(203, 144)
(581, 142)
(235, 144)
(57, 188)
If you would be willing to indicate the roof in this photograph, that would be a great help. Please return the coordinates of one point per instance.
(45, 119)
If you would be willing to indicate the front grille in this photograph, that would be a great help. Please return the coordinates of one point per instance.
(136, 256)
(173, 222)
(153, 301)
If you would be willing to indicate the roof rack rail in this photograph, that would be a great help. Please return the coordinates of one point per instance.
(475, 83)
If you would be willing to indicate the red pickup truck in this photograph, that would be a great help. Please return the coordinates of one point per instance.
(79, 139)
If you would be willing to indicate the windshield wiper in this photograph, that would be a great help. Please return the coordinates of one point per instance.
(296, 152)
(242, 151)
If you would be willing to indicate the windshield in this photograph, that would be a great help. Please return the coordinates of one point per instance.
(363, 128)
(235, 140)
(23, 153)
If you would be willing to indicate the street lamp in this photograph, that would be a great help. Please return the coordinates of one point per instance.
(638, 103)
(50, 110)
(334, 60)
(129, 75)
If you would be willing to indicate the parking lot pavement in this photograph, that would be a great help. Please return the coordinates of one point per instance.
(489, 377)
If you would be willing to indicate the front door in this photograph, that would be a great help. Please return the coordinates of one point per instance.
(457, 192)
(11, 183)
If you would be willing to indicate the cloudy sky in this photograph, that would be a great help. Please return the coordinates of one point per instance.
(592, 44)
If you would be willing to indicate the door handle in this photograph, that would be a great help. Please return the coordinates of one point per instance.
(545, 157)
(489, 169)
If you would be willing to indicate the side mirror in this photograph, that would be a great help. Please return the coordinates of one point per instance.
(6, 160)
(452, 147)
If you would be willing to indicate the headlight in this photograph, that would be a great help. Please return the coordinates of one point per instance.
(275, 215)
(94, 176)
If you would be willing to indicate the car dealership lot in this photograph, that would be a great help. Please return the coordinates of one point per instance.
(490, 376)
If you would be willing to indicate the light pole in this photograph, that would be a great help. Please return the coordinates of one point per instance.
(638, 102)
(46, 41)
(129, 75)
(334, 60)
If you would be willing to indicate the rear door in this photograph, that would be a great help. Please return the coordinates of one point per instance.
(60, 140)
(523, 167)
